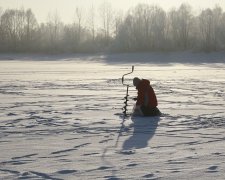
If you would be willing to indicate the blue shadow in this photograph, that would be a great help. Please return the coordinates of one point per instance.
(144, 130)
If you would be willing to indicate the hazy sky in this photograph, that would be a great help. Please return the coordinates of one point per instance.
(66, 8)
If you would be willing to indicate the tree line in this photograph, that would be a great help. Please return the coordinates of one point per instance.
(142, 28)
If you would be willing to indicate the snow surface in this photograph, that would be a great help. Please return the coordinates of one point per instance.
(61, 118)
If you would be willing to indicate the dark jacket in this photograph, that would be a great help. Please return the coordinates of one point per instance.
(146, 94)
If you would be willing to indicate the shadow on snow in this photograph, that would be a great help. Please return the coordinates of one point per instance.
(144, 130)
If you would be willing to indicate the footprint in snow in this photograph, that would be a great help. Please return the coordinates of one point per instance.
(111, 178)
(25, 156)
(105, 141)
(132, 165)
(11, 114)
(103, 168)
(66, 171)
(148, 176)
(212, 168)
(89, 154)
(127, 152)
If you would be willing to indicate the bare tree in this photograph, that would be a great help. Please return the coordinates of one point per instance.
(118, 20)
(1, 11)
(222, 32)
(53, 31)
(31, 26)
(125, 40)
(185, 22)
(141, 25)
(180, 23)
(217, 20)
(106, 14)
(157, 27)
(12, 23)
(1, 30)
(146, 27)
(92, 21)
(79, 20)
(206, 28)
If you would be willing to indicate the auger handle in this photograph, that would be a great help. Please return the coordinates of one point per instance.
(127, 74)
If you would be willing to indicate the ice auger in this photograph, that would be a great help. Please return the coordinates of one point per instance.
(127, 95)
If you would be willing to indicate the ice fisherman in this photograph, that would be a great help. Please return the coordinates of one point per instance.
(146, 101)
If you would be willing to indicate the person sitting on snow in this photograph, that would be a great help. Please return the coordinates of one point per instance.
(146, 104)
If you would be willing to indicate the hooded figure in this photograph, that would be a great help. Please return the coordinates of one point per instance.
(146, 100)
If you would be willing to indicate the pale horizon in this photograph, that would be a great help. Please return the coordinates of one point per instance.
(66, 8)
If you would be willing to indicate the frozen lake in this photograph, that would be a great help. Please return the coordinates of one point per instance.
(61, 120)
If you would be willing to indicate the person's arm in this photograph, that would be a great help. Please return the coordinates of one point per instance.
(140, 97)
(137, 110)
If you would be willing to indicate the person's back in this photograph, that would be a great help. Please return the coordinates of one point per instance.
(146, 94)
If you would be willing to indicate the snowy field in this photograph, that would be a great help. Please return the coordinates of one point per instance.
(60, 118)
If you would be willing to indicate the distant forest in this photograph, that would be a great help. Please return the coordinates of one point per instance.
(142, 28)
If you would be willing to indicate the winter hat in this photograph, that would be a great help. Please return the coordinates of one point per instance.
(136, 81)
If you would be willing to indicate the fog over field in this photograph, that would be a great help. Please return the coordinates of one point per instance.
(103, 27)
